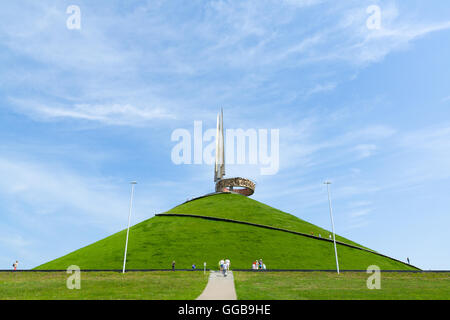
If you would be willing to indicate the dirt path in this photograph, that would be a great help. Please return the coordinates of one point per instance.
(219, 287)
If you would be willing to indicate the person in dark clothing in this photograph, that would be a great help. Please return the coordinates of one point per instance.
(408, 260)
(173, 265)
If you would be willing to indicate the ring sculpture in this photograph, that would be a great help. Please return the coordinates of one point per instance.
(239, 185)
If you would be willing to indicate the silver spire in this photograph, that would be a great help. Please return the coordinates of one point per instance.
(219, 168)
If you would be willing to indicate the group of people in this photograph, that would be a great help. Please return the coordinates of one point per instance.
(320, 236)
(15, 265)
(224, 266)
(258, 265)
(194, 266)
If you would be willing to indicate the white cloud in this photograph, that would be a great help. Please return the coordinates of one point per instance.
(53, 190)
(365, 150)
(357, 225)
(299, 147)
(318, 88)
(114, 114)
(359, 213)
(303, 3)
(13, 240)
(356, 204)
(397, 31)
(434, 139)
(253, 38)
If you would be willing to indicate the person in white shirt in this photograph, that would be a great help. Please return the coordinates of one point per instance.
(222, 262)
(228, 263)
(225, 269)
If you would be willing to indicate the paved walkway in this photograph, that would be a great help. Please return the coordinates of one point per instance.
(219, 287)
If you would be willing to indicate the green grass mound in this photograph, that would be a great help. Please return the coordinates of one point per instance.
(156, 242)
(237, 207)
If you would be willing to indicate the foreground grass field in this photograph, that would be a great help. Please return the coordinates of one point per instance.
(168, 285)
(179, 285)
(348, 285)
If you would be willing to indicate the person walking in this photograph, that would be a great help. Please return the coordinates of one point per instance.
(225, 269)
(228, 263)
(15, 265)
(221, 263)
(408, 260)
(173, 265)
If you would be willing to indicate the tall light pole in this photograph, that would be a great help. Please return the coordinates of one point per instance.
(332, 224)
(133, 183)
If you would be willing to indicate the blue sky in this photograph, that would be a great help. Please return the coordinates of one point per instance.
(83, 112)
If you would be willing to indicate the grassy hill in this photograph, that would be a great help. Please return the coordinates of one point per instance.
(237, 207)
(154, 243)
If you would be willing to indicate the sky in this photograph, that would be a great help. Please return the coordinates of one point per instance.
(84, 111)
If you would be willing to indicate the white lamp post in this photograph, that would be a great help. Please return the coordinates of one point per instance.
(332, 224)
(133, 183)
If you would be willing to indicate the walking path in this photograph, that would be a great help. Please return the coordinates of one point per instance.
(219, 287)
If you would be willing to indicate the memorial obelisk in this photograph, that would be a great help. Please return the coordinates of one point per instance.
(239, 185)
(219, 168)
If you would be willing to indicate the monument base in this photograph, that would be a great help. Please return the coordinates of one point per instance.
(239, 185)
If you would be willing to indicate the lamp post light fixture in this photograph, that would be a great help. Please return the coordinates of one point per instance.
(332, 224)
(133, 183)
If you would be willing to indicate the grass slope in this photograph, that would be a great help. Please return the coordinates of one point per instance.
(237, 207)
(185, 285)
(348, 285)
(155, 242)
